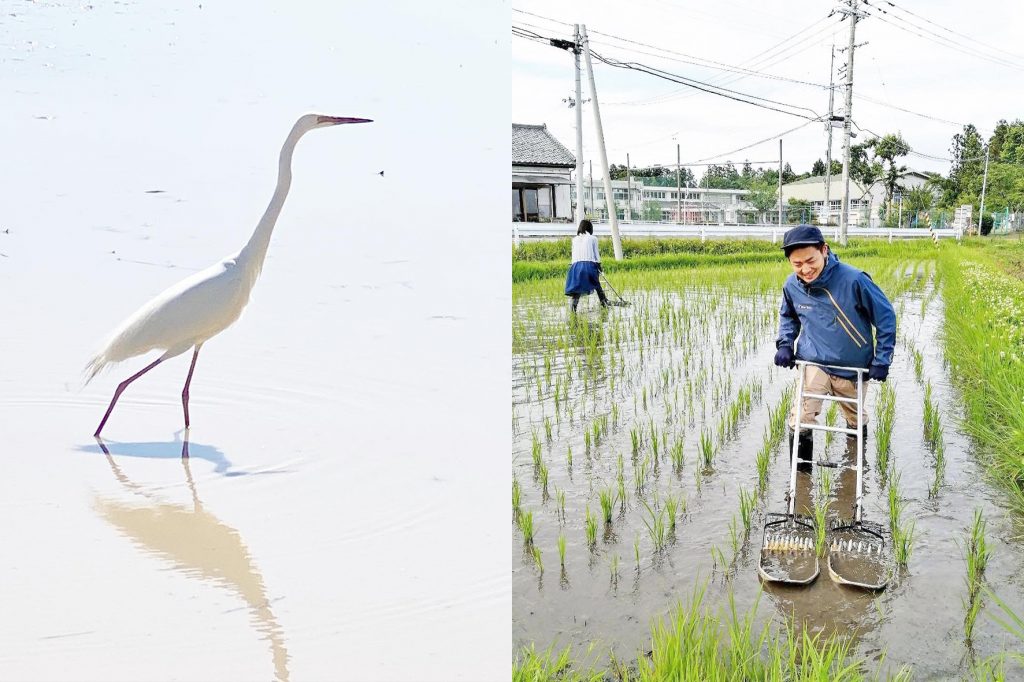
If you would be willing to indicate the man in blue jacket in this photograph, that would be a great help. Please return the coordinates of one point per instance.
(828, 311)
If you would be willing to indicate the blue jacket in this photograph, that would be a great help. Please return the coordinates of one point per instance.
(833, 317)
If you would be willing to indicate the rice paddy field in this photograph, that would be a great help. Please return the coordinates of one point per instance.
(648, 444)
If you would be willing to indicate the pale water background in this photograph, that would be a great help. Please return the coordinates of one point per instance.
(337, 518)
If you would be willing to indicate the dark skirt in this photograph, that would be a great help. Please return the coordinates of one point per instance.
(582, 278)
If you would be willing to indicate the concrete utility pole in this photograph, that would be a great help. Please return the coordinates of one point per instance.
(984, 181)
(581, 208)
(844, 217)
(679, 188)
(780, 184)
(828, 152)
(590, 164)
(613, 218)
(629, 192)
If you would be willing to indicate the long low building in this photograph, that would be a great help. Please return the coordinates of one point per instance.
(635, 201)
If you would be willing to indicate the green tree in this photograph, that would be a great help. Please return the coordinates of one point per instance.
(652, 211)
(918, 199)
(721, 177)
(818, 168)
(968, 154)
(764, 197)
(837, 167)
(799, 210)
(889, 149)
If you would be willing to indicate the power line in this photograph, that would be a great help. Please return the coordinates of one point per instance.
(767, 139)
(719, 66)
(906, 111)
(949, 30)
(682, 80)
(882, 14)
(706, 87)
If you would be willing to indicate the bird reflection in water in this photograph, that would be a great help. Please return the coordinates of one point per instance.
(197, 543)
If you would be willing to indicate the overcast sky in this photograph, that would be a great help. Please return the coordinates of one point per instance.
(916, 57)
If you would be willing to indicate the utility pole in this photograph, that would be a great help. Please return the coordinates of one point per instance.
(679, 188)
(984, 181)
(613, 219)
(780, 184)
(828, 152)
(591, 165)
(844, 217)
(629, 192)
(580, 207)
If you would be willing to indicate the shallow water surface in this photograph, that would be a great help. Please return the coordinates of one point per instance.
(333, 467)
(680, 381)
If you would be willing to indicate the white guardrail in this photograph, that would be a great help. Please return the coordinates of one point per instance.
(772, 232)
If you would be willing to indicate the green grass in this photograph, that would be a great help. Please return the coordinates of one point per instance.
(607, 499)
(984, 345)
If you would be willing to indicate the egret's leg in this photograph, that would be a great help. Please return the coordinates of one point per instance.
(184, 392)
(120, 389)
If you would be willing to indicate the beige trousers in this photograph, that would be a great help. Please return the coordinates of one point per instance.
(817, 380)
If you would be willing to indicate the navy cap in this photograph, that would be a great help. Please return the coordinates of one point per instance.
(802, 235)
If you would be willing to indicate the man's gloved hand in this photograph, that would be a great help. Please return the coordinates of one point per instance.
(878, 373)
(784, 357)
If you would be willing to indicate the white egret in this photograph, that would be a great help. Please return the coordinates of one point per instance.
(189, 313)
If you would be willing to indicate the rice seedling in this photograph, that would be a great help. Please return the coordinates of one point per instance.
(561, 549)
(747, 501)
(634, 437)
(640, 469)
(535, 450)
(707, 449)
(831, 417)
(586, 440)
(547, 428)
(542, 474)
(655, 526)
(560, 501)
(537, 560)
(902, 533)
(762, 461)
(607, 499)
(526, 526)
(671, 509)
(977, 553)
(885, 415)
(596, 428)
(568, 457)
(821, 506)
(590, 528)
(918, 365)
(676, 454)
(636, 550)
(734, 537)
(517, 497)
(615, 410)
(615, 569)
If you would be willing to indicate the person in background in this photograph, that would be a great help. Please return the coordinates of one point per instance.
(586, 267)
(827, 315)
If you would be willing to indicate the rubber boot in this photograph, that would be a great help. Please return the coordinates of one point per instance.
(805, 448)
(864, 431)
(574, 301)
(602, 297)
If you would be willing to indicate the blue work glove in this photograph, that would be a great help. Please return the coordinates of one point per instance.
(878, 373)
(784, 357)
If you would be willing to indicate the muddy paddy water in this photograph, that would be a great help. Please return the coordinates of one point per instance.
(691, 360)
(334, 470)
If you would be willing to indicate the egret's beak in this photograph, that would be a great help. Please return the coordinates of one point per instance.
(337, 120)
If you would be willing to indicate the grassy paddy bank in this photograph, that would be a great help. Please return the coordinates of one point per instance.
(635, 392)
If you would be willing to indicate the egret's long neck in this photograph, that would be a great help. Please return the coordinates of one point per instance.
(252, 255)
